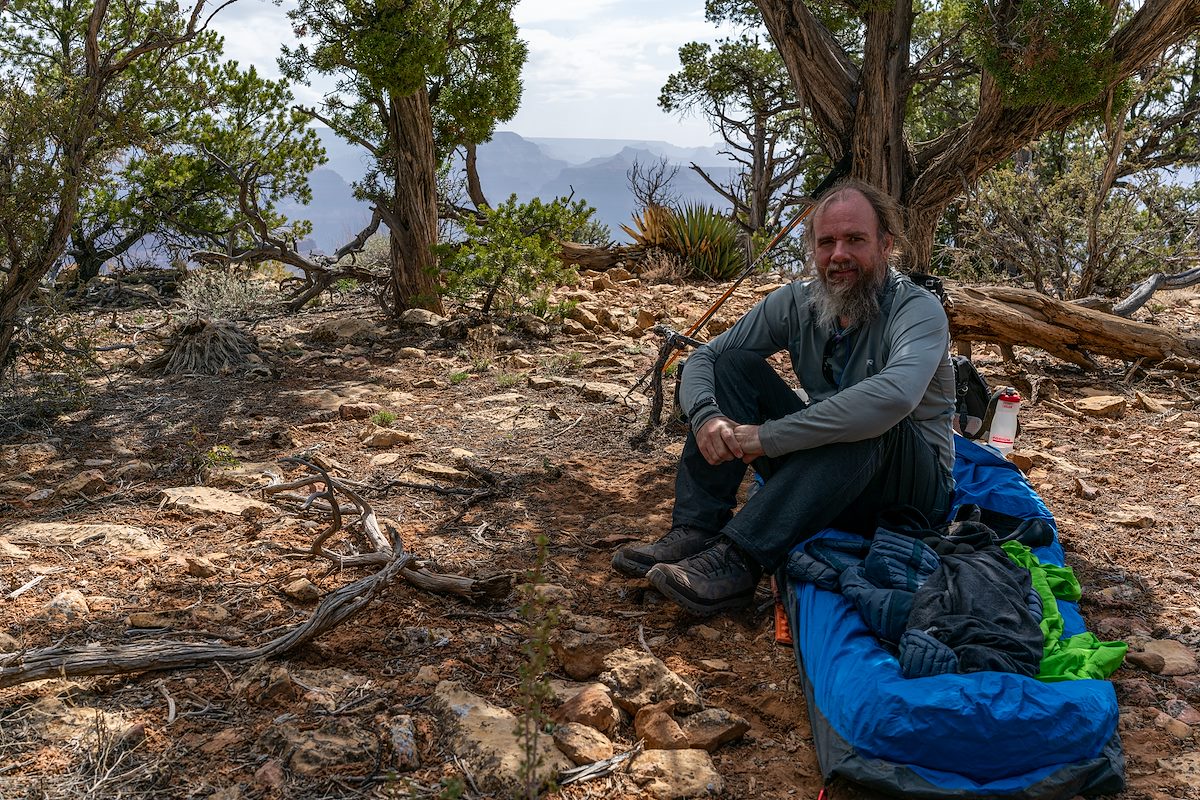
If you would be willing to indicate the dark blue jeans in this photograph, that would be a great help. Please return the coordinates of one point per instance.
(843, 485)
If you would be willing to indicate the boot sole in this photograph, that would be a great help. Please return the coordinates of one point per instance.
(660, 582)
(628, 567)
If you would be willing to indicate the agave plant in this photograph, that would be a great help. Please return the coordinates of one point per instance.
(707, 240)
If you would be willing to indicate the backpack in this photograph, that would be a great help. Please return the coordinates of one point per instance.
(974, 403)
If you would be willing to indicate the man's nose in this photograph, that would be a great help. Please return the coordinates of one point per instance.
(841, 251)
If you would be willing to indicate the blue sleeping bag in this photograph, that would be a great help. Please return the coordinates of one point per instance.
(978, 735)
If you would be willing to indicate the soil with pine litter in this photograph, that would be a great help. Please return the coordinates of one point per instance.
(507, 443)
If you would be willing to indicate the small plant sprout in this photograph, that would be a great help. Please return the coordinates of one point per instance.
(383, 419)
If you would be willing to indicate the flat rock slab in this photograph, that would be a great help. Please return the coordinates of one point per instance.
(673, 774)
(126, 538)
(206, 500)
(485, 735)
(1165, 657)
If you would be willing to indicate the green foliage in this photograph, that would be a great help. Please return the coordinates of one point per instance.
(383, 419)
(1037, 52)
(412, 82)
(708, 240)
(458, 377)
(534, 690)
(200, 458)
(510, 261)
(1059, 231)
(507, 380)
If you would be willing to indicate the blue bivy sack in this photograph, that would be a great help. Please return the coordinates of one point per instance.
(977, 735)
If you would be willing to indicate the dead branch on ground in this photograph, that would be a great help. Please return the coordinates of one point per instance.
(336, 608)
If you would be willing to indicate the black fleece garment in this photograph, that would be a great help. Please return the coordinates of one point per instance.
(976, 604)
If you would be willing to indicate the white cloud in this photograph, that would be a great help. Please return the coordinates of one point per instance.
(536, 12)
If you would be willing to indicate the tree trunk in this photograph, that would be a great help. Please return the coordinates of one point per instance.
(474, 186)
(412, 218)
(861, 108)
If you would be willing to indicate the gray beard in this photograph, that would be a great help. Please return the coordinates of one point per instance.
(858, 303)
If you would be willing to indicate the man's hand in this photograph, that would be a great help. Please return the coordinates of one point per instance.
(748, 441)
(717, 441)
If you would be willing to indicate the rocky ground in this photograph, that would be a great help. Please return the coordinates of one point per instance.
(135, 532)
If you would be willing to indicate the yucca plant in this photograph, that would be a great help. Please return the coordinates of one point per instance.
(653, 227)
(707, 240)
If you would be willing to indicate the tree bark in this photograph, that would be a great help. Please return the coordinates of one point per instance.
(474, 186)
(413, 215)
(860, 109)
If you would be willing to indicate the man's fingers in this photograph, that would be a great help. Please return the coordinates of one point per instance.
(731, 442)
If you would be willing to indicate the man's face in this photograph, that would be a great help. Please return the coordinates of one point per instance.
(848, 248)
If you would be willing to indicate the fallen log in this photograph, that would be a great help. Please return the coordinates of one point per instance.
(587, 256)
(1007, 316)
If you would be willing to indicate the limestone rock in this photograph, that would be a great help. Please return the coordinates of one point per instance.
(586, 319)
(206, 500)
(67, 606)
(660, 731)
(675, 774)
(484, 735)
(581, 744)
(421, 316)
(338, 746)
(411, 352)
(713, 727)
(1165, 657)
(89, 482)
(270, 775)
(1106, 406)
(8, 644)
(432, 469)
(199, 566)
(344, 330)
(639, 679)
(358, 410)
(375, 436)
(134, 470)
(302, 590)
(591, 706)
(581, 654)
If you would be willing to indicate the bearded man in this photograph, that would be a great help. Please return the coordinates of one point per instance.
(871, 352)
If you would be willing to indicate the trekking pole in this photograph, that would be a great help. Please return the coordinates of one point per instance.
(753, 265)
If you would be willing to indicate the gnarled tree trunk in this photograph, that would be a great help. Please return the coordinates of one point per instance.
(413, 215)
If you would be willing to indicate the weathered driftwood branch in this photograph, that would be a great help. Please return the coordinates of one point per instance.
(599, 258)
(1008, 317)
(336, 608)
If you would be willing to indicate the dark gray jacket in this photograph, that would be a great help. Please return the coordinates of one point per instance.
(898, 366)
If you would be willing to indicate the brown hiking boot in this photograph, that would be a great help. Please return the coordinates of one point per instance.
(679, 543)
(723, 576)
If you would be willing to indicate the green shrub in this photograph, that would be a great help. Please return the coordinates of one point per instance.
(459, 377)
(383, 419)
(510, 261)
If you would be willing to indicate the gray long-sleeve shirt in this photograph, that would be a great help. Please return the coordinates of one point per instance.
(897, 366)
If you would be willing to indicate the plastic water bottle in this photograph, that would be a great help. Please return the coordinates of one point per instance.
(1004, 421)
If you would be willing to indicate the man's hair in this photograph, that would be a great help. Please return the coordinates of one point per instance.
(887, 214)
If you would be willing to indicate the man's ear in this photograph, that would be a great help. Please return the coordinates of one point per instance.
(888, 241)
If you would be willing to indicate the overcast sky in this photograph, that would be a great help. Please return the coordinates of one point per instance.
(594, 71)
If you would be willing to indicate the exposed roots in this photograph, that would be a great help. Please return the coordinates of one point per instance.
(207, 347)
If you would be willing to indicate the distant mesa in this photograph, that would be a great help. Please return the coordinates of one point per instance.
(527, 167)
